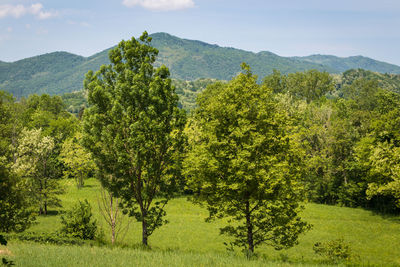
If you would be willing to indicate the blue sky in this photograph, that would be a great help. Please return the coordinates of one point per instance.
(285, 27)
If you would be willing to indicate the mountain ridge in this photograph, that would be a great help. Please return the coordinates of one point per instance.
(62, 72)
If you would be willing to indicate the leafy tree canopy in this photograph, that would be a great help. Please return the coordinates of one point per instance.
(133, 128)
(243, 164)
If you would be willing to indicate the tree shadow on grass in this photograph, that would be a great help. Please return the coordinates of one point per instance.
(53, 213)
(391, 216)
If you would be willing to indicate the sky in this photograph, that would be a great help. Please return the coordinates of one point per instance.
(287, 27)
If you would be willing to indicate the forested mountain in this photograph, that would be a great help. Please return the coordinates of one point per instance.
(388, 81)
(62, 72)
(342, 64)
(52, 73)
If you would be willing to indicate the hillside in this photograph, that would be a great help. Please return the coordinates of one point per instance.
(342, 64)
(388, 81)
(189, 60)
(62, 72)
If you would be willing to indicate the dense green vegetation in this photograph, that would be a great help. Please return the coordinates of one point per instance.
(186, 90)
(75, 102)
(61, 72)
(388, 81)
(253, 153)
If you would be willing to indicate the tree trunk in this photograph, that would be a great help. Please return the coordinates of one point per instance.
(112, 219)
(250, 241)
(144, 232)
(113, 233)
(45, 208)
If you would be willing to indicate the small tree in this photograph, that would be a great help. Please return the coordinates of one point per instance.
(16, 213)
(78, 222)
(109, 208)
(36, 163)
(133, 128)
(243, 165)
(78, 161)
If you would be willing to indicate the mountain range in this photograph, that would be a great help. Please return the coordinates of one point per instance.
(63, 72)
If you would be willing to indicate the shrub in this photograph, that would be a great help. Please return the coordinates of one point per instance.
(334, 250)
(78, 222)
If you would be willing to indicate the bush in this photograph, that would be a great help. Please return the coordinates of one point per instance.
(334, 250)
(78, 222)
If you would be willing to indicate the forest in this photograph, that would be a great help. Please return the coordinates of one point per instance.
(251, 151)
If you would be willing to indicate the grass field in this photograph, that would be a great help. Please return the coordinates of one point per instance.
(189, 241)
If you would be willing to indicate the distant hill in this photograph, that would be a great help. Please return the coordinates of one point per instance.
(342, 64)
(387, 81)
(189, 60)
(62, 72)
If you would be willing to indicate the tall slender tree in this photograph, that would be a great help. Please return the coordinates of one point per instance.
(134, 129)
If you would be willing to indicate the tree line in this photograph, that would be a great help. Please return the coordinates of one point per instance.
(251, 151)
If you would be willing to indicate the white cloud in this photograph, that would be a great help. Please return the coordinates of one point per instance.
(10, 10)
(9, 29)
(160, 5)
(18, 11)
(83, 23)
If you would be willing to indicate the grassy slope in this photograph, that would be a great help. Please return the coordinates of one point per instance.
(373, 237)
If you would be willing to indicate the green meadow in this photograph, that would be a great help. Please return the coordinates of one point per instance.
(187, 240)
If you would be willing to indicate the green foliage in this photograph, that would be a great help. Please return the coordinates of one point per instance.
(382, 164)
(15, 209)
(309, 85)
(36, 165)
(49, 114)
(339, 133)
(78, 222)
(188, 91)
(385, 80)
(75, 101)
(78, 161)
(15, 212)
(133, 128)
(334, 250)
(244, 166)
(9, 126)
